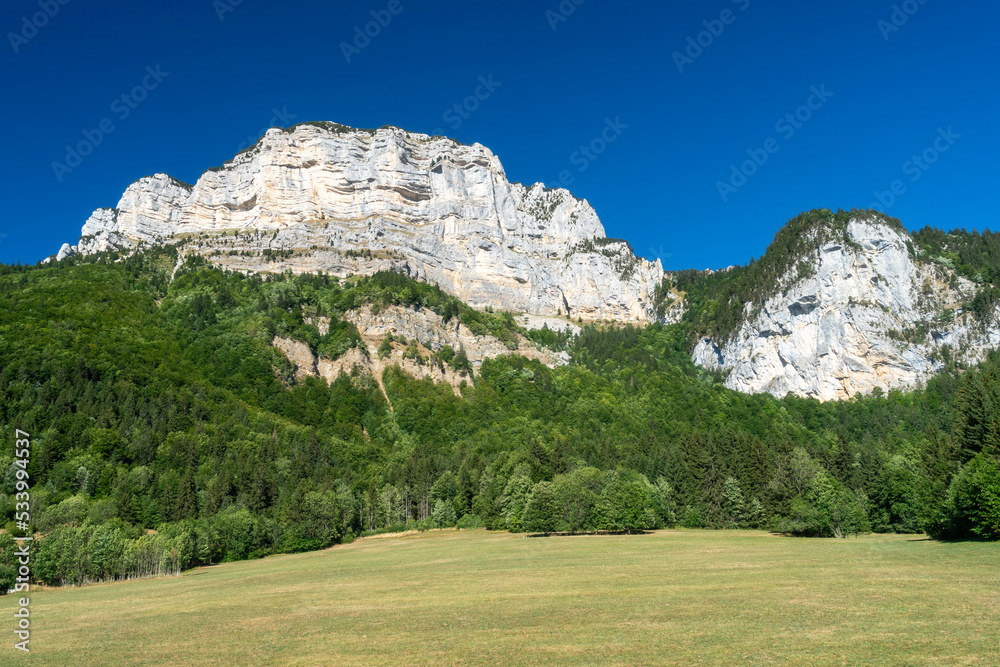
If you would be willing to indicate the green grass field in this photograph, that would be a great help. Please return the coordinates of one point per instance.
(473, 597)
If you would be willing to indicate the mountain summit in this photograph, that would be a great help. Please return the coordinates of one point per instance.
(325, 197)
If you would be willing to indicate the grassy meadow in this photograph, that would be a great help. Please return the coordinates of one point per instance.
(476, 597)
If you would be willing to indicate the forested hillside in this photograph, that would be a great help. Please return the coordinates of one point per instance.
(166, 432)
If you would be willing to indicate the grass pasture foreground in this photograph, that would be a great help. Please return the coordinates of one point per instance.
(671, 597)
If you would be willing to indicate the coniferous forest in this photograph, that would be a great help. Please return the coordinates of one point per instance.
(166, 432)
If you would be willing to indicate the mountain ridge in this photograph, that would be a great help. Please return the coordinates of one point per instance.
(321, 197)
(865, 312)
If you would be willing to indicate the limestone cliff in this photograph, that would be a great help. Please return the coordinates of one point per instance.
(324, 197)
(869, 313)
(865, 313)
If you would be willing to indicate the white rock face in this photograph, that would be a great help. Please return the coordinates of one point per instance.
(433, 333)
(65, 251)
(559, 324)
(100, 233)
(852, 325)
(355, 201)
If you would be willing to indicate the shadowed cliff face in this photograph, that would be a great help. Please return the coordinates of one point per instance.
(868, 316)
(354, 201)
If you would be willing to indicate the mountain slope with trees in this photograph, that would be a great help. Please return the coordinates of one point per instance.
(166, 431)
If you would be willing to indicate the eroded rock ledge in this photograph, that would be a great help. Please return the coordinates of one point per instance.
(422, 326)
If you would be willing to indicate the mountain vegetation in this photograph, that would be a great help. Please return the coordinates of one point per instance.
(972, 255)
(167, 432)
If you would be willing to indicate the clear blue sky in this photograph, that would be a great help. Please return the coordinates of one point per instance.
(655, 185)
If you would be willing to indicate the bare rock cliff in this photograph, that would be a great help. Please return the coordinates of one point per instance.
(324, 197)
(869, 315)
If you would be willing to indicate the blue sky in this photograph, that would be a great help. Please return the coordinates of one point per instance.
(225, 70)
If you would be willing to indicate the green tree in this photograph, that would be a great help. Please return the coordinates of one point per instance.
(321, 517)
(8, 562)
(443, 514)
(663, 502)
(972, 507)
(577, 494)
(515, 497)
(624, 506)
(733, 504)
(385, 349)
(541, 513)
(898, 498)
(461, 362)
(826, 509)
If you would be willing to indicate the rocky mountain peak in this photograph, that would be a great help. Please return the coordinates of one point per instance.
(325, 197)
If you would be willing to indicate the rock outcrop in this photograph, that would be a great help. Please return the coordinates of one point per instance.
(869, 315)
(324, 197)
(424, 327)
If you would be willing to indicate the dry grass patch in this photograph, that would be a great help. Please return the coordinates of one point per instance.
(473, 597)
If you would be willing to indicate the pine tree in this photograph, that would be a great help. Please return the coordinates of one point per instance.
(733, 504)
(187, 504)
